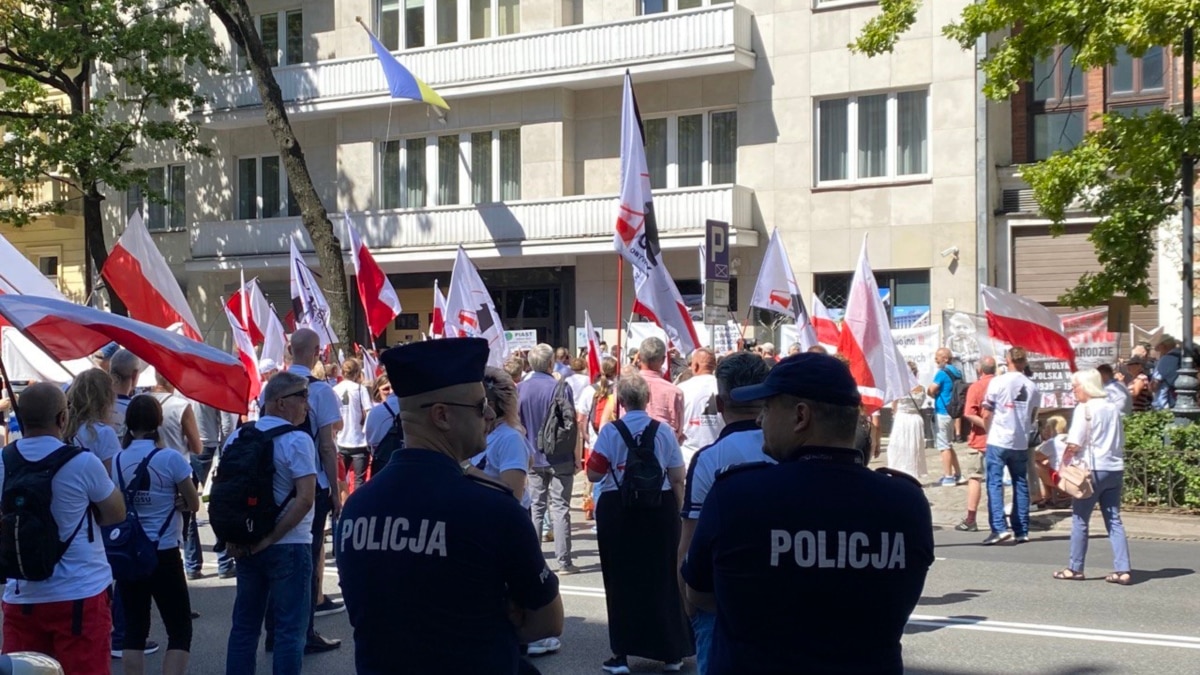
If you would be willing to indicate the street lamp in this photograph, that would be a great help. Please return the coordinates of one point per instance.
(1186, 410)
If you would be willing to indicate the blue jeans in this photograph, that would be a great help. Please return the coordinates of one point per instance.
(703, 624)
(283, 572)
(1107, 491)
(1017, 461)
(193, 552)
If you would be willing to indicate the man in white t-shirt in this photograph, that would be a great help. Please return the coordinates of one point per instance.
(701, 421)
(279, 566)
(66, 616)
(740, 442)
(124, 369)
(355, 403)
(1010, 409)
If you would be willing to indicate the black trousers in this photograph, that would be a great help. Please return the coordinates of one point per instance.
(168, 588)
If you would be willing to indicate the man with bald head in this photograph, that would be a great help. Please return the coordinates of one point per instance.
(462, 559)
(66, 615)
(942, 390)
(702, 422)
(976, 441)
(124, 367)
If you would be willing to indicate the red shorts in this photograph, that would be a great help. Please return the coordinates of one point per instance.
(76, 632)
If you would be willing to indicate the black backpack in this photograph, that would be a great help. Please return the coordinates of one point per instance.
(642, 487)
(559, 435)
(390, 443)
(30, 546)
(131, 553)
(241, 506)
(957, 406)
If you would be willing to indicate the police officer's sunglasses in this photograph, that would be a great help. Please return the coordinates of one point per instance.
(480, 407)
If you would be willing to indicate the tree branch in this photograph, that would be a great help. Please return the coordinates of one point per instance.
(7, 67)
(22, 115)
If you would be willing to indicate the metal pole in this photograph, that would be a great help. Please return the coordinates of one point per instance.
(1186, 383)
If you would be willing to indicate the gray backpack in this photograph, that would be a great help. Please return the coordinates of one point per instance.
(559, 435)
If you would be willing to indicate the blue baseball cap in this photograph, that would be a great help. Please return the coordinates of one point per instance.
(816, 377)
(106, 352)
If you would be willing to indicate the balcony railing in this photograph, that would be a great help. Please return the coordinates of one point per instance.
(716, 38)
(563, 220)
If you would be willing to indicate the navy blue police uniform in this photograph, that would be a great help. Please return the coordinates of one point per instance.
(431, 561)
(815, 563)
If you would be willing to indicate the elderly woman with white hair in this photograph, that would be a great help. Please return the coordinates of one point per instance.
(1097, 439)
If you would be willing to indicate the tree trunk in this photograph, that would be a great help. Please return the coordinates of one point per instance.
(236, 17)
(93, 237)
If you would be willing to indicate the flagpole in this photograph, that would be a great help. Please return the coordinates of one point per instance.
(620, 290)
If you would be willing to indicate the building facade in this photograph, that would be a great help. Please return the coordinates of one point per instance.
(755, 113)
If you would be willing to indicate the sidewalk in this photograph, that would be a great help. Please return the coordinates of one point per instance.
(949, 505)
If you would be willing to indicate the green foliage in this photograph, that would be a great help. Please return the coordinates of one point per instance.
(1162, 462)
(1126, 174)
(85, 83)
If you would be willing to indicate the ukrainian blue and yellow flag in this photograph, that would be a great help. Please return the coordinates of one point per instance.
(401, 83)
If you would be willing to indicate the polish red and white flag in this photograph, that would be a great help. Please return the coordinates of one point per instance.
(437, 326)
(866, 339)
(1025, 323)
(828, 333)
(593, 348)
(69, 331)
(378, 297)
(140, 276)
(245, 352)
(256, 315)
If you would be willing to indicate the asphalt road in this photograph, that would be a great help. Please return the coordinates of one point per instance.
(984, 610)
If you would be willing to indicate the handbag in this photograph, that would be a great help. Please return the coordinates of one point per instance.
(131, 553)
(1075, 479)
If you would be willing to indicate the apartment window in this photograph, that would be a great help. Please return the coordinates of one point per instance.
(691, 149)
(282, 35)
(1058, 109)
(164, 211)
(408, 24)
(906, 293)
(873, 137)
(494, 168)
(1137, 76)
(263, 190)
(48, 266)
(658, 6)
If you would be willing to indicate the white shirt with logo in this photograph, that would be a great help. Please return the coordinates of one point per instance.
(1012, 399)
(325, 410)
(167, 469)
(702, 423)
(83, 571)
(355, 402)
(99, 439)
(612, 447)
(294, 458)
(507, 450)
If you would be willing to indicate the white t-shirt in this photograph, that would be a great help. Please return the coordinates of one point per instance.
(578, 382)
(295, 457)
(612, 447)
(83, 570)
(166, 469)
(325, 410)
(507, 450)
(120, 405)
(702, 423)
(740, 446)
(171, 430)
(99, 439)
(380, 420)
(1101, 439)
(1118, 394)
(1053, 449)
(1013, 400)
(355, 403)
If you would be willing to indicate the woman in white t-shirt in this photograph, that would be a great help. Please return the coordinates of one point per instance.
(351, 439)
(508, 454)
(90, 401)
(167, 490)
(1048, 456)
(1097, 439)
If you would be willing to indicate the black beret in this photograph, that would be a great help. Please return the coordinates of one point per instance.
(421, 367)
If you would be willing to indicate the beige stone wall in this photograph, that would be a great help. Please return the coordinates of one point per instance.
(58, 235)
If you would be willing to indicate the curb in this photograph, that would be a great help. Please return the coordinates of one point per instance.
(1137, 525)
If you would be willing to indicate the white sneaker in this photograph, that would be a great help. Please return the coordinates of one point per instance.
(547, 646)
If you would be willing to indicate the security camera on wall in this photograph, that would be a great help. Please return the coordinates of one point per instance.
(952, 251)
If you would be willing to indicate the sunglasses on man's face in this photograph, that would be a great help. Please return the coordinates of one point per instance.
(296, 394)
(480, 407)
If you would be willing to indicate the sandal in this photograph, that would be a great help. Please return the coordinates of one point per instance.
(1121, 578)
(1069, 575)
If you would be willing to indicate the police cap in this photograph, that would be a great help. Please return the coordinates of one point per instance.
(816, 377)
(422, 367)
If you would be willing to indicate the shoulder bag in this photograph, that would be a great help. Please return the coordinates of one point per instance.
(1075, 479)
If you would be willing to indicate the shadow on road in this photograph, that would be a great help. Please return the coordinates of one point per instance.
(1095, 669)
(1142, 576)
(953, 598)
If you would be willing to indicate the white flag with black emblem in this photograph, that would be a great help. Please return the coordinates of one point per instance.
(308, 302)
(470, 311)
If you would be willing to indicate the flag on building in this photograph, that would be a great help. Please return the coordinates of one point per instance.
(245, 353)
(866, 339)
(437, 324)
(1025, 323)
(308, 301)
(69, 331)
(470, 311)
(401, 83)
(140, 276)
(777, 291)
(826, 327)
(379, 300)
(593, 348)
(636, 237)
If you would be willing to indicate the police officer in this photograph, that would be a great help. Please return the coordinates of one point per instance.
(814, 564)
(441, 572)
